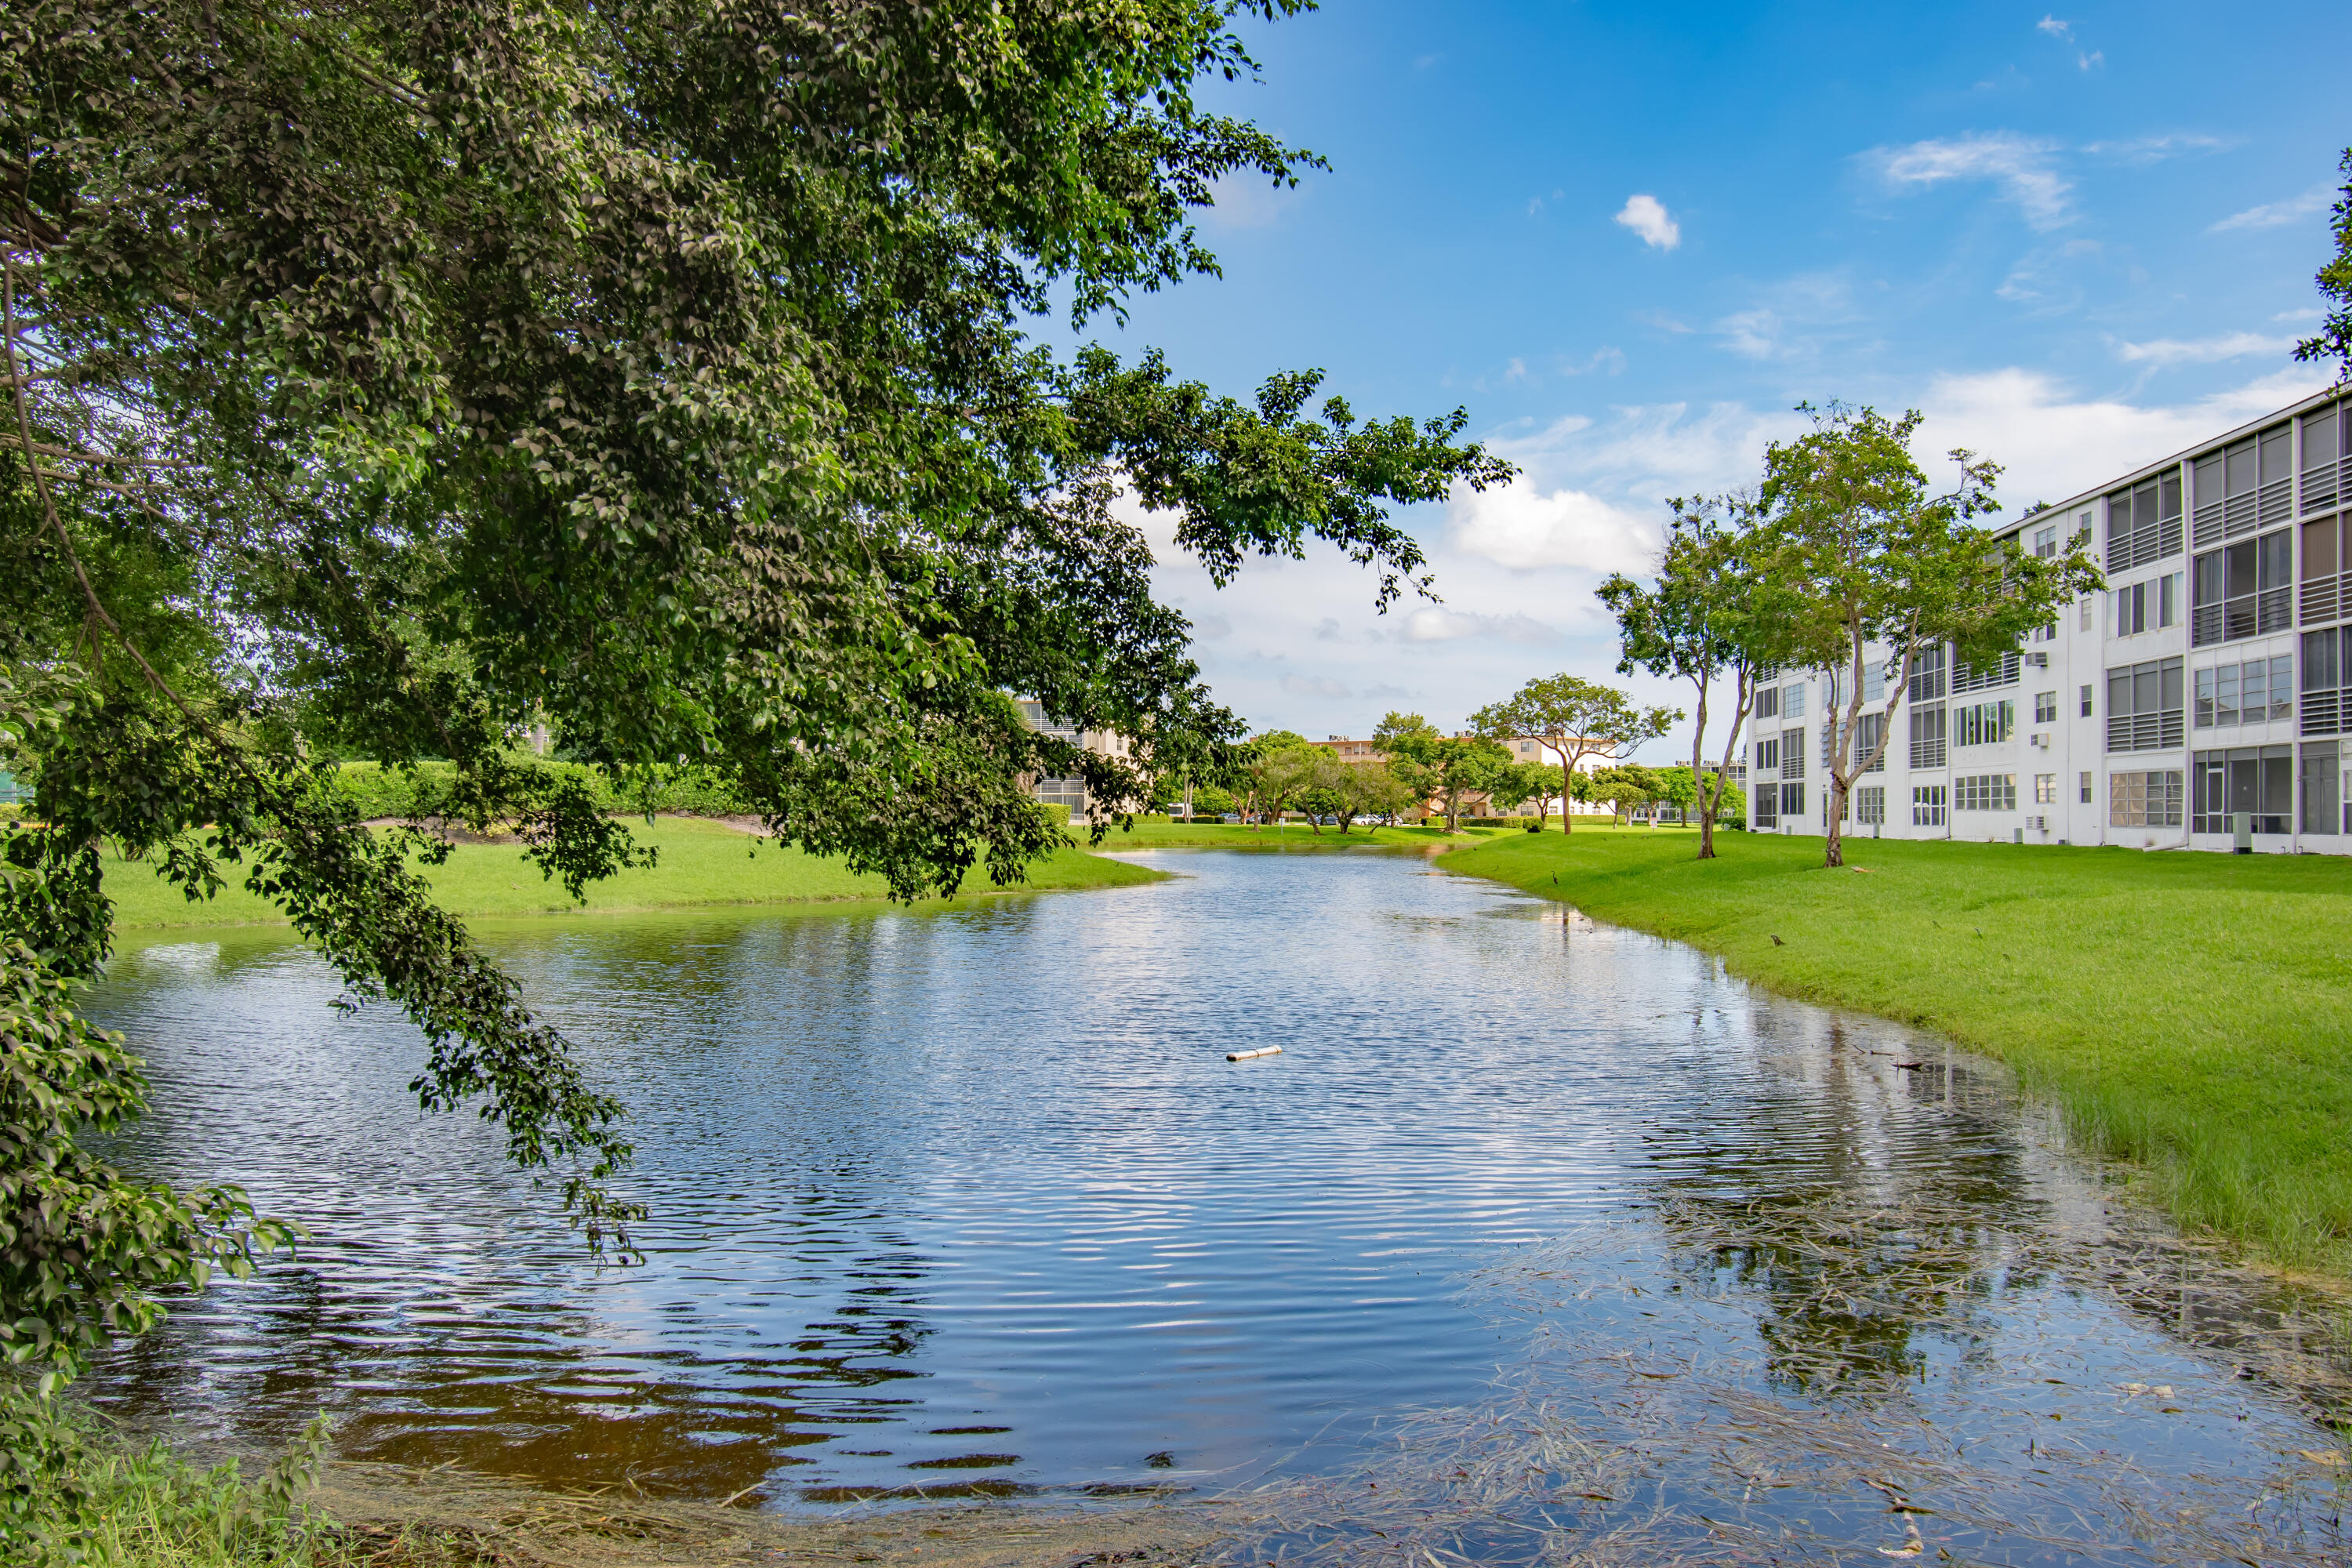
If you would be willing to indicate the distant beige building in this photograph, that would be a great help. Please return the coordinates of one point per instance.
(1364, 753)
(1070, 792)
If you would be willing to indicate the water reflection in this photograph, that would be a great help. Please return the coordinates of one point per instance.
(970, 1204)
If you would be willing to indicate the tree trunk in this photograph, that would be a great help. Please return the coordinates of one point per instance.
(1833, 841)
(1698, 779)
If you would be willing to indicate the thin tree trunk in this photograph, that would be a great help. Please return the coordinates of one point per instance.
(1699, 777)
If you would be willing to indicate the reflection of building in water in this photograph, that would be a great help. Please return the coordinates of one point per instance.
(1070, 792)
(2204, 694)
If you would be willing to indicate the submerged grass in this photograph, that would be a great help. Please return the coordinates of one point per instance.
(2191, 1013)
(701, 863)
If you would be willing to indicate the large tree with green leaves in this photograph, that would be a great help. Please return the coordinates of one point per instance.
(388, 378)
(2333, 339)
(1709, 614)
(1574, 719)
(1857, 551)
(1446, 768)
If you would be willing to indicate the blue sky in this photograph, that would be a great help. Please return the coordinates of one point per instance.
(1628, 238)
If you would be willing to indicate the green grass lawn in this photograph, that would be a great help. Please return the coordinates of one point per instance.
(700, 863)
(2190, 1012)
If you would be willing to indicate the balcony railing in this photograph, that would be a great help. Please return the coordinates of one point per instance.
(2327, 598)
(2325, 484)
(2246, 616)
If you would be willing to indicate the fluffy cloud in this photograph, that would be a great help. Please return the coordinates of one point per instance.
(2201, 351)
(2277, 214)
(1521, 526)
(2023, 167)
(1434, 623)
(1647, 217)
(2052, 448)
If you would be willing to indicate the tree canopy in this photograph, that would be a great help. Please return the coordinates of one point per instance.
(386, 379)
(1573, 718)
(2333, 339)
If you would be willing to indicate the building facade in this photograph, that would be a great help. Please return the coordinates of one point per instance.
(2212, 678)
(1070, 792)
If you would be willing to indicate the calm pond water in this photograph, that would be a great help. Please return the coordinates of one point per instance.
(1537, 1231)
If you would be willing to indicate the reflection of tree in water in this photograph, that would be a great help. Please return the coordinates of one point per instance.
(1857, 1228)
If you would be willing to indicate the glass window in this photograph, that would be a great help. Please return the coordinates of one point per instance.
(1984, 724)
(2278, 558)
(2086, 787)
(2046, 789)
(2144, 799)
(1792, 800)
(2088, 689)
(2321, 799)
(2045, 542)
(2256, 779)
(1985, 792)
(1767, 755)
(1927, 737)
(2319, 549)
(2169, 611)
(2277, 456)
(2045, 707)
(1767, 702)
(1870, 805)
(2146, 706)
(1792, 702)
(1927, 806)
(1768, 806)
(1928, 674)
(2240, 463)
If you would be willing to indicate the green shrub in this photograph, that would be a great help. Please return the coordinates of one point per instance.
(376, 791)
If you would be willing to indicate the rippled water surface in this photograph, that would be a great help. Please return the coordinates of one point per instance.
(972, 1199)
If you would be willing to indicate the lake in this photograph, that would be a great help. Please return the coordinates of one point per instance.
(1536, 1232)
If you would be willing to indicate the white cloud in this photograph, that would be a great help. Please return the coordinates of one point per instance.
(2154, 148)
(2277, 214)
(1520, 526)
(1755, 333)
(2166, 352)
(1314, 686)
(2055, 28)
(2052, 447)
(2023, 166)
(1250, 201)
(1647, 217)
(1435, 623)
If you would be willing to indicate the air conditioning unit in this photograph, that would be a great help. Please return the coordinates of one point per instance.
(2038, 824)
(2038, 660)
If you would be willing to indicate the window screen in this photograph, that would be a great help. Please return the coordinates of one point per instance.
(2146, 706)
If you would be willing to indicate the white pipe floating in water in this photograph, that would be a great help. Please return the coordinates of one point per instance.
(1245, 1056)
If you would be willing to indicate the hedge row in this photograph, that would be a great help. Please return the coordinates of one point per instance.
(376, 791)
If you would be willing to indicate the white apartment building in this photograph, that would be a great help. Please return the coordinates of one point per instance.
(2213, 676)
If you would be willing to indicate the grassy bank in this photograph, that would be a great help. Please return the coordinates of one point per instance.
(2190, 1012)
(700, 863)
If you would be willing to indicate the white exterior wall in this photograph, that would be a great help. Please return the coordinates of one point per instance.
(2092, 640)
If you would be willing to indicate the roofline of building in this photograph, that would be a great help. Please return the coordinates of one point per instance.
(2132, 477)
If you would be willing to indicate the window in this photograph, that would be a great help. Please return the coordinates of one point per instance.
(1767, 754)
(1927, 806)
(2325, 472)
(1870, 803)
(2141, 800)
(2256, 779)
(2243, 487)
(2086, 701)
(1767, 702)
(2003, 673)
(2046, 789)
(1868, 731)
(2045, 542)
(2321, 791)
(1927, 675)
(2327, 593)
(1873, 681)
(1792, 800)
(1793, 753)
(2145, 706)
(2145, 606)
(1927, 737)
(2253, 692)
(1768, 805)
(2045, 708)
(1792, 702)
(2083, 623)
(1984, 723)
(2144, 522)
(2086, 787)
(2326, 703)
(1985, 792)
(2244, 589)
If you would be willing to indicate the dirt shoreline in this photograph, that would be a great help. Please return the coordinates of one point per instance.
(444, 1517)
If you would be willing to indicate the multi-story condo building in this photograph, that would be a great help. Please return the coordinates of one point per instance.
(2212, 679)
(1071, 792)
